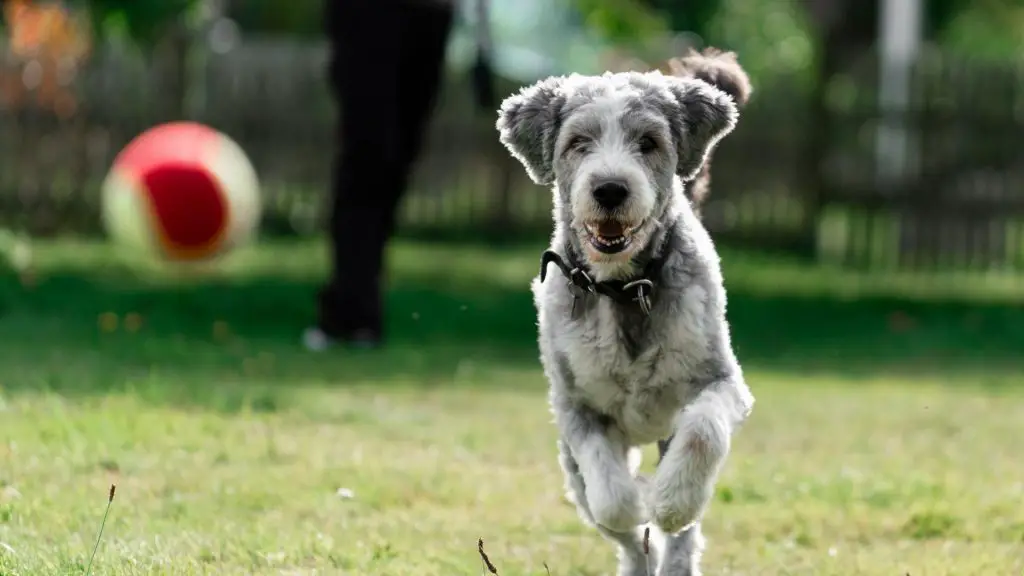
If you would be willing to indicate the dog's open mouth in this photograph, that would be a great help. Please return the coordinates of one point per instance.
(610, 236)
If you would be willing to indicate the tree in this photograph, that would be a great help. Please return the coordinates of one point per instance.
(160, 28)
(622, 21)
(688, 15)
(143, 22)
(297, 19)
(991, 29)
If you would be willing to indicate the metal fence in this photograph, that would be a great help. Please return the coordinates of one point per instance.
(784, 180)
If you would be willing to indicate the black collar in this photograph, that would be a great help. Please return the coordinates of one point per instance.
(636, 290)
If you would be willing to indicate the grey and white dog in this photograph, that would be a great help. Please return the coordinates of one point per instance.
(633, 334)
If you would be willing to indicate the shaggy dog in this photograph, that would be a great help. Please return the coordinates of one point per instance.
(632, 329)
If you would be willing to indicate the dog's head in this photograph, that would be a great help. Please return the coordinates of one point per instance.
(615, 146)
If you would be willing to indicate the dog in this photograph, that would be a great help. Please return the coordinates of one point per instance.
(632, 334)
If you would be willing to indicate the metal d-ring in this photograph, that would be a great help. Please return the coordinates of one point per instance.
(641, 298)
(578, 292)
(590, 282)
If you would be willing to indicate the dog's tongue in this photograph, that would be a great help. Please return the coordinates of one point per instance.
(610, 229)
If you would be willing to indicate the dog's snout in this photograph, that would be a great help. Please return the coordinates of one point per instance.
(610, 194)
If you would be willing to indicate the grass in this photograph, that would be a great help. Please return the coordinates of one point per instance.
(882, 442)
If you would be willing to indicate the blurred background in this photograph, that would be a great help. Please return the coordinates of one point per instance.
(866, 146)
(878, 158)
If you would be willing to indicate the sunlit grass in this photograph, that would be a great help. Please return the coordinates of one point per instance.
(235, 452)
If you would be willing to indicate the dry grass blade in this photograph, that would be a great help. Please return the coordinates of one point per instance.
(483, 556)
(110, 500)
(546, 569)
(647, 550)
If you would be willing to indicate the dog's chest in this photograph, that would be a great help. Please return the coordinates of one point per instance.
(632, 368)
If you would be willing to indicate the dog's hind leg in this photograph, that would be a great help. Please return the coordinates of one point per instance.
(575, 488)
(682, 553)
(632, 560)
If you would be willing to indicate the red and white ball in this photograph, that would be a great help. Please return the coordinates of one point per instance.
(182, 191)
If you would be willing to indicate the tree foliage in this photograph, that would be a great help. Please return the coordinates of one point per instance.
(303, 19)
(690, 15)
(987, 26)
(622, 20)
(979, 28)
(939, 14)
(142, 21)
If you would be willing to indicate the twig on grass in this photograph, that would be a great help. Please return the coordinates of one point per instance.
(483, 556)
(647, 550)
(110, 500)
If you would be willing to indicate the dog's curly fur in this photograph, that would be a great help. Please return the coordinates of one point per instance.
(722, 70)
(620, 378)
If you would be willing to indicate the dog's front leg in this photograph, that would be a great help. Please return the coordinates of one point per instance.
(633, 561)
(594, 458)
(684, 482)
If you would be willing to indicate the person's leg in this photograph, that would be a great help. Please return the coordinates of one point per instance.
(385, 72)
(424, 28)
(363, 74)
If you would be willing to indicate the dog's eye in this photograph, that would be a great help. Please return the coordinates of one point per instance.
(647, 145)
(576, 144)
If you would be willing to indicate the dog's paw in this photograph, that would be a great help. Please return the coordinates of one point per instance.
(616, 504)
(676, 505)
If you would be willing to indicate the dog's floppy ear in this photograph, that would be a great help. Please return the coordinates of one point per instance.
(699, 116)
(528, 124)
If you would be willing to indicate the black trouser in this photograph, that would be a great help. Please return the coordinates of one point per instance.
(386, 69)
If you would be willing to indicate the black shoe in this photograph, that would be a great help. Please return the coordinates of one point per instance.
(316, 340)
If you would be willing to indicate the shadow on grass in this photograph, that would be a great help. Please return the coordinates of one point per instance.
(77, 334)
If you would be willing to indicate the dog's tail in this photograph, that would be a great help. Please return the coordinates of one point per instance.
(722, 70)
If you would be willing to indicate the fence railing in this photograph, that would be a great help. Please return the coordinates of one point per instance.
(961, 206)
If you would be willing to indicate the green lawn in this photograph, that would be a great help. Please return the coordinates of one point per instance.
(881, 444)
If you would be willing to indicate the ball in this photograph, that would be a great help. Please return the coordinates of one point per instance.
(183, 192)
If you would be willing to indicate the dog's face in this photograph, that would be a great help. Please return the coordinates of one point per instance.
(614, 145)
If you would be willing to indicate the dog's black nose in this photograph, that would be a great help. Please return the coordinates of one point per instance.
(610, 194)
